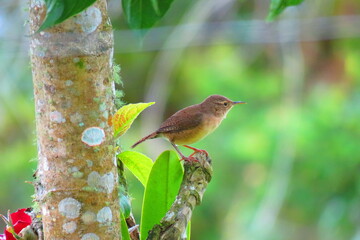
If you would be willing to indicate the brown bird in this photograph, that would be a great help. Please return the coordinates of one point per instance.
(193, 123)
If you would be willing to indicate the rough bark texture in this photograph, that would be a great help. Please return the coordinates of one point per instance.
(197, 175)
(76, 179)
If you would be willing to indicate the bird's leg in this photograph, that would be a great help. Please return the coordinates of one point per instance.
(189, 159)
(196, 150)
(178, 150)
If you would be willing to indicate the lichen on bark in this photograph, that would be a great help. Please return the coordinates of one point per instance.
(76, 178)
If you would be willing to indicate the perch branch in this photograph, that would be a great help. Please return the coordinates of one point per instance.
(197, 175)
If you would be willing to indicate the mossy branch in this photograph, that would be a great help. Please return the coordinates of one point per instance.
(197, 175)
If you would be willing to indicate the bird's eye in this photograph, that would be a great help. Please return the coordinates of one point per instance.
(225, 104)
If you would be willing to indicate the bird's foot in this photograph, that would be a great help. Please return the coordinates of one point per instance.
(196, 150)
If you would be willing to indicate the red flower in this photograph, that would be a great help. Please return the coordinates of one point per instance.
(20, 220)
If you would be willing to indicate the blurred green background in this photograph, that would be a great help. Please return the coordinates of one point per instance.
(286, 165)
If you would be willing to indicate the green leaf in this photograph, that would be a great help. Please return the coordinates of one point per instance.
(126, 115)
(188, 230)
(143, 14)
(60, 10)
(138, 164)
(278, 6)
(124, 228)
(161, 190)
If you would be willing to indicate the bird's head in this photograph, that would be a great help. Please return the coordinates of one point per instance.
(219, 105)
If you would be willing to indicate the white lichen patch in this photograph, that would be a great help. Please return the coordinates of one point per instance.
(104, 215)
(89, 19)
(46, 35)
(60, 150)
(94, 179)
(93, 136)
(106, 114)
(74, 171)
(57, 117)
(90, 236)
(69, 227)
(102, 125)
(103, 183)
(89, 163)
(40, 106)
(107, 182)
(76, 59)
(76, 118)
(184, 234)
(115, 161)
(70, 161)
(45, 164)
(70, 208)
(111, 58)
(169, 215)
(37, 3)
(113, 89)
(37, 48)
(88, 217)
(68, 83)
(66, 104)
(102, 107)
(77, 174)
(44, 211)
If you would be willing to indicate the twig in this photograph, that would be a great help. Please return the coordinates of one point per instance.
(132, 227)
(197, 175)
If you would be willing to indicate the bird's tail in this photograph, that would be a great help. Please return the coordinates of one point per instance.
(150, 136)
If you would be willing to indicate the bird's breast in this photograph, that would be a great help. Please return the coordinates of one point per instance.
(208, 125)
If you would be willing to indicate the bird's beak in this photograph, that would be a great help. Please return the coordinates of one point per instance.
(239, 102)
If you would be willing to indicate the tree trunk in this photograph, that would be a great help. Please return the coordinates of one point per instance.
(76, 178)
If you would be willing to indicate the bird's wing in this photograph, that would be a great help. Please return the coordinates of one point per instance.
(181, 121)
